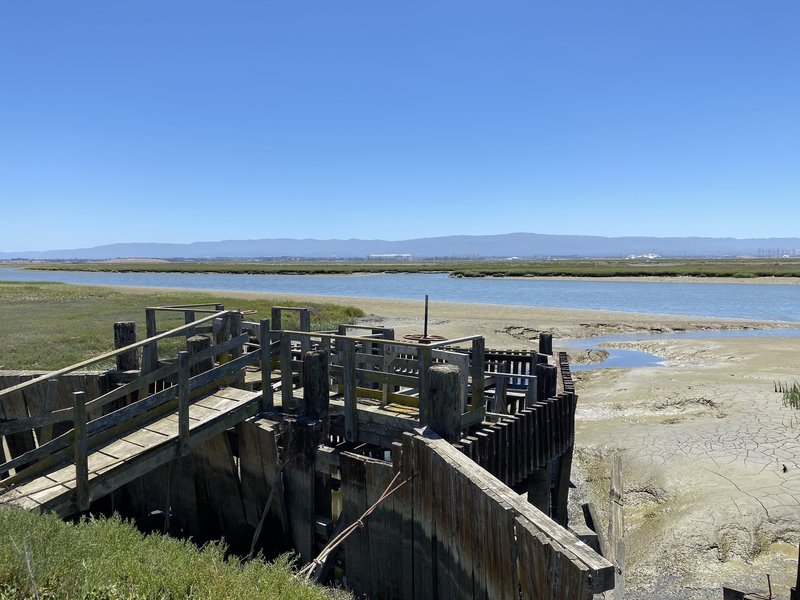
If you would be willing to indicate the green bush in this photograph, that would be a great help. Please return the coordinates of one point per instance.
(109, 559)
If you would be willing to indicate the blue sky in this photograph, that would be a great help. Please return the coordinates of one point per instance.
(189, 120)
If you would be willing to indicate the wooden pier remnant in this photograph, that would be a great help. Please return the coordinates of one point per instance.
(278, 440)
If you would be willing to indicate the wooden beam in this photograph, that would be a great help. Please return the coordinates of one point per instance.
(81, 452)
(349, 385)
(616, 528)
(316, 389)
(265, 352)
(183, 403)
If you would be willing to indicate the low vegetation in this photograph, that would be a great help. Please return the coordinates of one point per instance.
(791, 393)
(53, 325)
(734, 267)
(109, 559)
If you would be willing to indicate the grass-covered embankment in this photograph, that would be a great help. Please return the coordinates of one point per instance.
(732, 267)
(53, 325)
(41, 556)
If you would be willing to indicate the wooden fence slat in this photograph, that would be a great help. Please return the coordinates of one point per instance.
(382, 556)
(81, 452)
(354, 503)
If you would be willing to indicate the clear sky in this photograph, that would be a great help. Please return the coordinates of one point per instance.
(191, 120)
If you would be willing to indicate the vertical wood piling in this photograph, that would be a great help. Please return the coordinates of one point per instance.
(442, 411)
(183, 403)
(125, 335)
(80, 451)
(267, 400)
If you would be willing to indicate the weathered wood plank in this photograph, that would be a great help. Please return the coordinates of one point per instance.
(354, 503)
(382, 536)
(80, 448)
(301, 450)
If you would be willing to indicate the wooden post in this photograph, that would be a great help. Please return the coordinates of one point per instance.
(267, 400)
(500, 388)
(795, 591)
(301, 446)
(236, 330)
(531, 396)
(316, 388)
(276, 318)
(188, 317)
(150, 351)
(45, 434)
(183, 403)
(539, 490)
(196, 344)
(80, 446)
(287, 376)
(546, 343)
(305, 325)
(424, 360)
(546, 376)
(125, 335)
(616, 528)
(478, 358)
(561, 491)
(443, 406)
(349, 385)
(551, 376)
(150, 321)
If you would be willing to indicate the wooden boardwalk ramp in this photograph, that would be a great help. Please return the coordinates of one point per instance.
(161, 413)
(114, 463)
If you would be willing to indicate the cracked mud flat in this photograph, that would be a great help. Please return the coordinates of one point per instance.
(704, 439)
(711, 459)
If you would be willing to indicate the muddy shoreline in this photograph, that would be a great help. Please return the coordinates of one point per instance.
(711, 457)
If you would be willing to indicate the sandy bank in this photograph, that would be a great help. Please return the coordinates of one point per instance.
(505, 326)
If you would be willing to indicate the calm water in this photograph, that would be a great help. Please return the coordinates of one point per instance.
(627, 359)
(744, 301)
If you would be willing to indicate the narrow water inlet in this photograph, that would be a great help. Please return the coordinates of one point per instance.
(618, 358)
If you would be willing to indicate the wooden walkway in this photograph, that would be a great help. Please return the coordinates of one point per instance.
(113, 464)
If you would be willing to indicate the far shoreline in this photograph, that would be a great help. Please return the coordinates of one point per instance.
(498, 323)
(660, 279)
(693, 279)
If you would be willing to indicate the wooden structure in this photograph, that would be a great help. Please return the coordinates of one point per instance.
(276, 439)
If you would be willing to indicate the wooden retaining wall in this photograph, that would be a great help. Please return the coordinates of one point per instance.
(516, 445)
(41, 400)
(456, 531)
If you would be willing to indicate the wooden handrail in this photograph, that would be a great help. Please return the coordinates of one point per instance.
(107, 355)
(371, 340)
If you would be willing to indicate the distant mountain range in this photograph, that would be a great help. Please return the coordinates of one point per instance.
(522, 245)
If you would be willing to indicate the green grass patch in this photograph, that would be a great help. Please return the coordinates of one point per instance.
(791, 394)
(54, 325)
(41, 556)
(729, 267)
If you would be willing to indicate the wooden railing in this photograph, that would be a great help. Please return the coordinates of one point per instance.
(386, 370)
(178, 390)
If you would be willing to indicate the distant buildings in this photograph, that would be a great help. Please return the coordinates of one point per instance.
(397, 257)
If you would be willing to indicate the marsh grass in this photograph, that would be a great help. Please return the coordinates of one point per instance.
(53, 325)
(791, 394)
(733, 267)
(41, 556)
